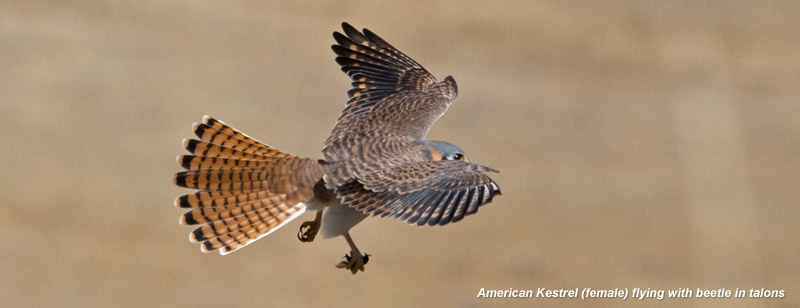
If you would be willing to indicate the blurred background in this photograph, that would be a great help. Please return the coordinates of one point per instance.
(641, 144)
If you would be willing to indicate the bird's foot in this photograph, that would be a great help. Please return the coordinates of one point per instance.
(355, 262)
(308, 231)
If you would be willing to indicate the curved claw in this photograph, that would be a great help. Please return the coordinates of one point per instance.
(355, 262)
(308, 231)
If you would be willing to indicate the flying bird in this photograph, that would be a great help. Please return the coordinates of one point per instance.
(376, 162)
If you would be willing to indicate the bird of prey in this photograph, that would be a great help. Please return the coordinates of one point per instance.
(376, 162)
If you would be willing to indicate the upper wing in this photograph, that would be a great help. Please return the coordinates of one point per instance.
(433, 192)
(392, 94)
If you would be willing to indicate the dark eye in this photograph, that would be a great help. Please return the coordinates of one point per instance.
(458, 156)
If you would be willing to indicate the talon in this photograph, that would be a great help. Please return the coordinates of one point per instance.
(308, 231)
(353, 262)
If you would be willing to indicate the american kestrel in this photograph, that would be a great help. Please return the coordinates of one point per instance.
(376, 162)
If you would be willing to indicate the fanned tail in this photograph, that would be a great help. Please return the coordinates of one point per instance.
(247, 189)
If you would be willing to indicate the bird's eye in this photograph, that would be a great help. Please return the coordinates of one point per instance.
(458, 156)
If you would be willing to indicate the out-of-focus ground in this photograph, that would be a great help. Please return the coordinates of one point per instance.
(641, 144)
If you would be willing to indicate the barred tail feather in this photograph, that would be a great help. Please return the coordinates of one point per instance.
(217, 132)
(206, 198)
(210, 214)
(195, 162)
(233, 233)
(247, 189)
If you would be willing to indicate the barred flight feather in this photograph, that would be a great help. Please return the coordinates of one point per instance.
(429, 205)
(390, 93)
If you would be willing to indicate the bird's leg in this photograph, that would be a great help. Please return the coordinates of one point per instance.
(355, 260)
(308, 230)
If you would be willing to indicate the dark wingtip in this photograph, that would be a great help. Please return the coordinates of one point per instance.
(340, 39)
(497, 191)
(348, 28)
(451, 81)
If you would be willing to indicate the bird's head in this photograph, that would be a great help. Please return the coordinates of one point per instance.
(440, 150)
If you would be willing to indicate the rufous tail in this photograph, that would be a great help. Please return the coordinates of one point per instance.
(247, 189)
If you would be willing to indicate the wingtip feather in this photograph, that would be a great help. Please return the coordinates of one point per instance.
(347, 27)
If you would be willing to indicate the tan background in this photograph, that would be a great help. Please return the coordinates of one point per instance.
(641, 144)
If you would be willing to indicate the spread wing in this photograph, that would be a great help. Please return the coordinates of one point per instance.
(433, 192)
(392, 94)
